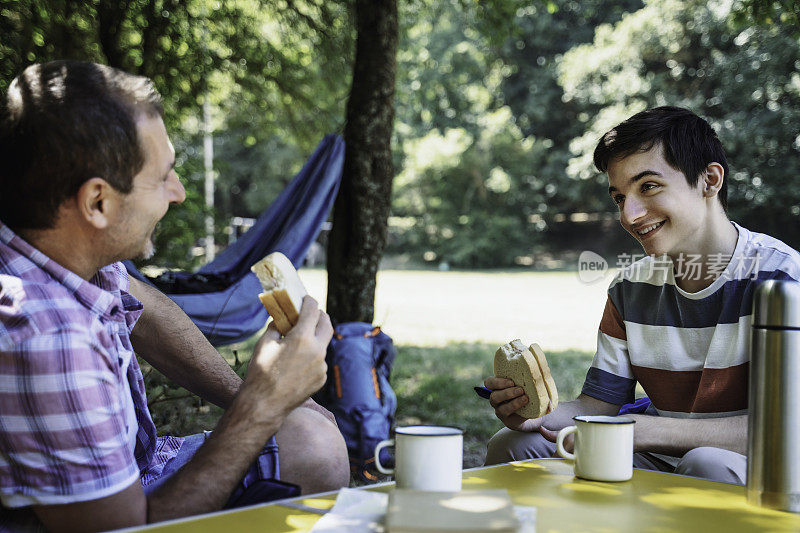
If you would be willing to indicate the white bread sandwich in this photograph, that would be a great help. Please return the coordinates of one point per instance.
(527, 368)
(283, 290)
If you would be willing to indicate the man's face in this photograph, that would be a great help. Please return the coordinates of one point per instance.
(155, 187)
(656, 204)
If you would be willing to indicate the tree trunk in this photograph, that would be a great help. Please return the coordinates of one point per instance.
(361, 210)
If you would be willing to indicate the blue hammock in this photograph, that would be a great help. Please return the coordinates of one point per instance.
(222, 297)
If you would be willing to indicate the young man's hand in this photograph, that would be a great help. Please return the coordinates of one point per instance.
(552, 436)
(290, 369)
(507, 398)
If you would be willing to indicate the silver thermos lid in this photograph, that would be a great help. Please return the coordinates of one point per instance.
(776, 304)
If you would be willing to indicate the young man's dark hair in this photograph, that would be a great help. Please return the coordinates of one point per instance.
(688, 141)
(80, 121)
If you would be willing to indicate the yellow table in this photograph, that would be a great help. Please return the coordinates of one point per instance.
(650, 502)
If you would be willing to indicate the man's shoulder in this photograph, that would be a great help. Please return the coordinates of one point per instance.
(31, 307)
(112, 278)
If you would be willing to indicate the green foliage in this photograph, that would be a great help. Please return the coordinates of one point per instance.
(785, 13)
(470, 197)
(542, 34)
(250, 177)
(498, 104)
(568, 72)
(484, 128)
(691, 54)
(445, 71)
(276, 73)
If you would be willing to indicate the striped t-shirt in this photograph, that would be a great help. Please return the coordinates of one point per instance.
(689, 351)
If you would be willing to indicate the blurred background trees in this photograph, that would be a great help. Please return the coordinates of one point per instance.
(276, 73)
(497, 106)
(744, 80)
(554, 77)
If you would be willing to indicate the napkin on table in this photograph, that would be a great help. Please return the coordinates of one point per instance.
(363, 511)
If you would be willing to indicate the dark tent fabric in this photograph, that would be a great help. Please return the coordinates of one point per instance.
(222, 297)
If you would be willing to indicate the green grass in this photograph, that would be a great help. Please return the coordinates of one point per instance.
(425, 308)
(176, 411)
(433, 386)
(446, 326)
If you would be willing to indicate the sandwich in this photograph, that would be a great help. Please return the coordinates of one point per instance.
(527, 368)
(283, 290)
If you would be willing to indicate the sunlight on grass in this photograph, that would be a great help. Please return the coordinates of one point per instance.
(431, 308)
(433, 386)
(445, 345)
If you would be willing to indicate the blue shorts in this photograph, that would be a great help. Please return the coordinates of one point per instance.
(260, 484)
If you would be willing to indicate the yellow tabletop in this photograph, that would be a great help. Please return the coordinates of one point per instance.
(650, 502)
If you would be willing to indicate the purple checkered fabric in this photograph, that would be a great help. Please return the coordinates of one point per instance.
(74, 423)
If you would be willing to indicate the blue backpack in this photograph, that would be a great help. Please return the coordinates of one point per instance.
(358, 393)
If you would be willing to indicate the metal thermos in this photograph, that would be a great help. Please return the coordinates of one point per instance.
(773, 445)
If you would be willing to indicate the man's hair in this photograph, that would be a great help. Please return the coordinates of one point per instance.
(61, 124)
(689, 143)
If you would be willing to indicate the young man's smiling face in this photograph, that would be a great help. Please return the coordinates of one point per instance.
(656, 204)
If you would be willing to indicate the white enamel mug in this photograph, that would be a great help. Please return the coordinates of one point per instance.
(603, 447)
(426, 458)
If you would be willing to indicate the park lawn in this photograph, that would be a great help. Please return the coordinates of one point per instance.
(430, 308)
(446, 327)
(433, 386)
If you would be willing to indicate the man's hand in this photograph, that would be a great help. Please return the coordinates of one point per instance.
(292, 368)
(283, 373)
(507, 398)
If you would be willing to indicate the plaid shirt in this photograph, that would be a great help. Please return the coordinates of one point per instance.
(74, 422)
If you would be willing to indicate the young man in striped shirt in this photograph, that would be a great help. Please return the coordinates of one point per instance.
(677, 321)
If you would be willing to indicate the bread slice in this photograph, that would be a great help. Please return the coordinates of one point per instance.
(518, 363)
(283, 291)
(552, 391)
(275, 311)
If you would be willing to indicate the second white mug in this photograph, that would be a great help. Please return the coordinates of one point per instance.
(603, 447)
(426, 458)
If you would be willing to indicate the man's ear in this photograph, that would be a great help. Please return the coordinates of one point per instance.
(96, 202)
(713, 178)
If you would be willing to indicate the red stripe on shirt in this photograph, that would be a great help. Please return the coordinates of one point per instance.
(611, 324)
(711, 390)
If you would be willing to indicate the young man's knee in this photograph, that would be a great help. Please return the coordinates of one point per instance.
(508, 445)
(714, 464)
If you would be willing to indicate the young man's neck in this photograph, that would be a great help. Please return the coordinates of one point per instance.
(720, 241)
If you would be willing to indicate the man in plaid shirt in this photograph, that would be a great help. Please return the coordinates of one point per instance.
(86, 173)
